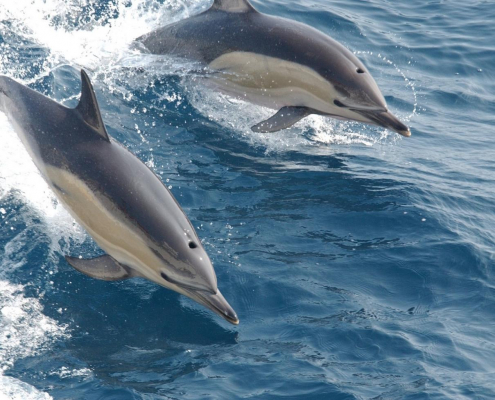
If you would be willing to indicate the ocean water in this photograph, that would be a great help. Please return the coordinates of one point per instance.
(361, 264)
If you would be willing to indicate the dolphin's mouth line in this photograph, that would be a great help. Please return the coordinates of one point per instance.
(368, 109)
(385, 119)
(185, 286)
(358, 109)
(379, 116)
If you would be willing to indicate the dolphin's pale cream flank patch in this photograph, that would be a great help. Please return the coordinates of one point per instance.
(107, 226)
(282, 82)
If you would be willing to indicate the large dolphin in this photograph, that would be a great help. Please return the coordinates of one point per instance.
(278, 63)
(120, 202)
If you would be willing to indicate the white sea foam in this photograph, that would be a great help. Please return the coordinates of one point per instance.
(24, 331)
(12, 389)
(72, 34)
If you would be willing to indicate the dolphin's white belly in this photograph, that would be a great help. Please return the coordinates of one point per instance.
(272, 82)
(107, 226)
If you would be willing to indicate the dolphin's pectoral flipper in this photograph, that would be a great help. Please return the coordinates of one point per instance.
(104, 268)
(286, 117)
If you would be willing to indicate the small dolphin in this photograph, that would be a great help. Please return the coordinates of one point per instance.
(120, 202)
(278, 63)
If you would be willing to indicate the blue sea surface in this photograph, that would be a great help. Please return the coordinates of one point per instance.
(361, 264)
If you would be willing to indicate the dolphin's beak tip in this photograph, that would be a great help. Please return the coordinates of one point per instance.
(216, 303)
(396, 125)
(232, 317)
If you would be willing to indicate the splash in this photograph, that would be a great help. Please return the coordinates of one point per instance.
(409, 84)
(83, 33)
(19, 175)
(24, 331)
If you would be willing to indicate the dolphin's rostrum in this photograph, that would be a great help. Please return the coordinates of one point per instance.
(278, 63)
(120, 202)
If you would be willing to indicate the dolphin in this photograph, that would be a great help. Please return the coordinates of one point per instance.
(277, 63)
(120, 202)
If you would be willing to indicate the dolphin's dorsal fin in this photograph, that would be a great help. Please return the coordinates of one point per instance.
(237, 6)
(88, 107)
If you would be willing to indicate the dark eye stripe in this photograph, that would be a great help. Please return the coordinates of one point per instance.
(182, 285)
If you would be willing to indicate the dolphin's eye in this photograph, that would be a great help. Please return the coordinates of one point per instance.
(164, 276)
(338, 103)
(192, 245)
(360, 71)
